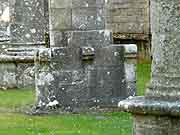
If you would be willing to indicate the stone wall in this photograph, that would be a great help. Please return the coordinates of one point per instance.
(28, 21)
(23, 23)
(128, 16)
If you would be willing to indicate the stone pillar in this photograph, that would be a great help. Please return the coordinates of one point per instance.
(82, 69)
(29, 23)
(158, 112)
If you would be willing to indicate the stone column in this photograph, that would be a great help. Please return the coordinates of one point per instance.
(27, 26)
(158, 112)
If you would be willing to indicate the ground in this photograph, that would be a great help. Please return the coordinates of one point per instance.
(14, 122)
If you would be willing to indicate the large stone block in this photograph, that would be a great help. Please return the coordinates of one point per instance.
(60, 19)
(73, 82)
(8, 76)
(25, 75)
(100, 38)
(88, 19)
(21, 33)
(59, 39)
(60, 3)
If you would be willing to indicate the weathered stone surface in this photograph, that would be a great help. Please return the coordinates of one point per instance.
(4, 20)
(24, 23)
(72, 82)
(28, 20)
(128, 16)
(158, 112)
(8, 76)
(82, 69)
(155, 125)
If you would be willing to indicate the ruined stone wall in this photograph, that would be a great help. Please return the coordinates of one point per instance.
(24, 23)
(128, 16)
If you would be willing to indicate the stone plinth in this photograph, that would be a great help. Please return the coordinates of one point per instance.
(82, 69)
(158, 112)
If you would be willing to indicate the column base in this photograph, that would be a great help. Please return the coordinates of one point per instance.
(153, 117)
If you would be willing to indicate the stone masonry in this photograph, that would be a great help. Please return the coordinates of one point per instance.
(158, 113)
(130, 23)
(128, 16)
(79, 68)
(82, 69)
(25, 22)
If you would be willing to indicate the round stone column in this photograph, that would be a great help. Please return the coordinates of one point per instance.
(158, 112)
(166, 49)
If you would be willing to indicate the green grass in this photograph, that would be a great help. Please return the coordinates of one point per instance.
(116, 123)
(105, 124)
(15, 98)
(143, 77)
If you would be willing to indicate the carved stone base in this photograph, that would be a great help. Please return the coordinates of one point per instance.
(153, 117)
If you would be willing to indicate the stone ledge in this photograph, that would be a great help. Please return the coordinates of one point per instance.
(132, 36)
(142, 105)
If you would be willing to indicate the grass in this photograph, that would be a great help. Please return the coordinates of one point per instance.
(15, 98)
(106, 124)
(143, 77)
(116, 123)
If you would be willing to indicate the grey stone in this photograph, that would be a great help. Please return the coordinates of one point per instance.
(28, 20)
(26, 24)
(158, 111)
(60, 19)
(8, 76)
(4, 20)
(82, 69)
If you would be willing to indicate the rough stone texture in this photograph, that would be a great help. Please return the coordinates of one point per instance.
(158, 112)
(65, 78)
(130, 23)
(8, 76)
(128, 16)
(28, 20)
(4, 20)
(82, 69)
(156, 125)
(24, 23)
(165, 70)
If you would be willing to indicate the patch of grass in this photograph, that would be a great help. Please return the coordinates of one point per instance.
(116, 123)
(102, 124)
(16, 98)
(143, 77)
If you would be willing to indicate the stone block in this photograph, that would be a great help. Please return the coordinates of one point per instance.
(88, 3)
(25, 75)
(60, 19)
(8, 76)
(21, 33)
(81, 38)
(61, 3)
(59, 39)
(87, 19)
